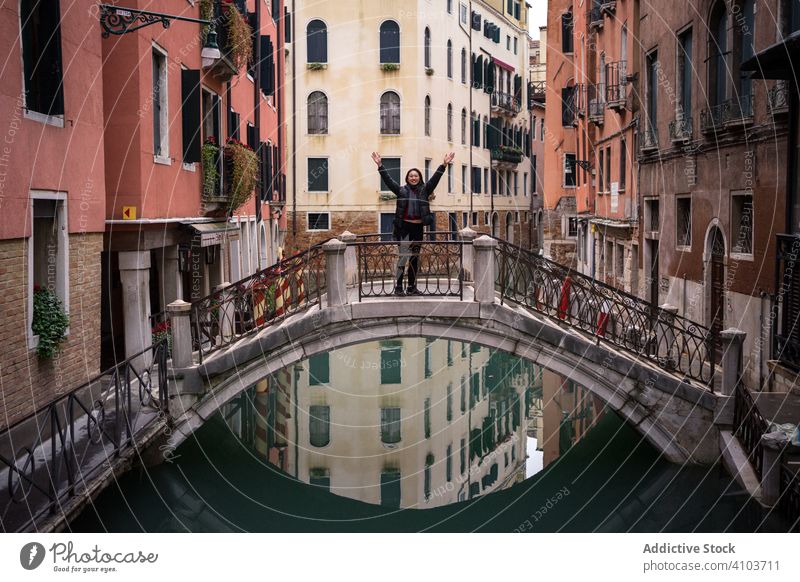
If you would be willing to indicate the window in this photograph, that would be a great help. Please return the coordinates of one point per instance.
(463, 127)
(391, 362)
(426, 417)
(390, 488)
(319, 425)
(744, 49)
(318, 221)
(462, 453)
(525, 183)
(623, 170)
(428, 464)
(160, 110)
(474, 219)
(234, 121)
(462, 13)
(428, 357)
(463, 179)
(516, 184)
(568, 106)
(476, 180)
(450, 179)
(450, 122)
(717, 51)
(317, 42)
(569, 170)
(449, 402)
(317, 113)
(392, 166)
(652, 90)
(387, 225)
(508, 43)
(485, 179)
(319, 369)
(449, 6)
(619, 261)
(742, 222)
(390, 425)
(566, 32)
(449, 59)
(390, 42)
(48, 248)
(572, 226)
(41, 56)
(427, 169)
(449, 463)
(685, 74)
(317, 174)
(427, 116)
(427, 48)
(390, 113)
(608, 169)
(464, 66)
(684, 221)
(515, 45)
(486, 220)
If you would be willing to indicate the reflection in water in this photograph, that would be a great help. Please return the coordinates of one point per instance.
(403, 423)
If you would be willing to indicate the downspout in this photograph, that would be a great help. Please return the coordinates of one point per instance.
(294, 119)
(257, 122)
(279, 30)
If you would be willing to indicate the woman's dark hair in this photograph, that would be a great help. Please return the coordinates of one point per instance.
(418, 172)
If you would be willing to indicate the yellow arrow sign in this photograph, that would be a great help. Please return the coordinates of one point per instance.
(128, 213)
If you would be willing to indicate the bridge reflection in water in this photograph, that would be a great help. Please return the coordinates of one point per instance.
(411, 422)
(361, 438)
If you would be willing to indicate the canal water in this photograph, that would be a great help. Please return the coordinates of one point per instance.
(420, 435)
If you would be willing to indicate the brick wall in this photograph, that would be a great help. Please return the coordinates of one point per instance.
(27, 382)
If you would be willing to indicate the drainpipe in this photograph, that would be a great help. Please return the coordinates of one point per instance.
(257, 121)
(279, 33)
(683, 298)
(294, 119)
(762, 295)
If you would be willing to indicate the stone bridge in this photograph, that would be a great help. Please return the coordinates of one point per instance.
(636, 359)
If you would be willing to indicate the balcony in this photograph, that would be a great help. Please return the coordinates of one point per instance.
(595, 17)
(537, 91)
(778, 99)
(608, 6)
(738, 111)
(648, 140)
(597, 104)
(616, 81)
(504, 156)
(711, 119)
(505, 103)
(229, 21)
(680, 130)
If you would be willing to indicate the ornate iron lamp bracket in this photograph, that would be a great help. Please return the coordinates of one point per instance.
(585, 165)
(118, 20)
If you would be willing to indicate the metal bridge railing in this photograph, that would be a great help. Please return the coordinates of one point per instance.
(51, 456)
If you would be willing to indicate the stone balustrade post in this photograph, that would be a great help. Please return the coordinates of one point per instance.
(484, 268)
(732, 341)
(226, 312)
(336, 273)
(181, 328)
(467, 236)
(772, 445)
(667, 323)
(350, 258)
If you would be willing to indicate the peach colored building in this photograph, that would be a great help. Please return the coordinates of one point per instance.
(52, 196)
(170, 231)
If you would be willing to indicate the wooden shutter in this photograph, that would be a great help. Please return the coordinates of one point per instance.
(267, 65)
(190, 114)
(287, 22)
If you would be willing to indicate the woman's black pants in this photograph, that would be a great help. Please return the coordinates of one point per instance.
(407, 234)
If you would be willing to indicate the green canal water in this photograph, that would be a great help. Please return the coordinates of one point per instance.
(418, 435)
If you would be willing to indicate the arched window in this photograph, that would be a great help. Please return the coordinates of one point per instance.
(449, 59)
(427, 47)
(427, 115)
(390, 42)
(463, 127)
(317, 42)
(717, 49)
(390, 113)
(449, 122)
(464, 66)
(317, 113)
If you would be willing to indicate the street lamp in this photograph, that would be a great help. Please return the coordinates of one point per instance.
(118, 20)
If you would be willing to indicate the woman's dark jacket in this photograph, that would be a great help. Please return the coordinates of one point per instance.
(402, 193)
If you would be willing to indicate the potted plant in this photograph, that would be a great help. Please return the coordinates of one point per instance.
(242, 164)
(240, 38)
(50, 322)
(208, 159)
(390, 67)
(428, 71)
(316, 66)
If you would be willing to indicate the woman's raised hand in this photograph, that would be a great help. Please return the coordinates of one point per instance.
(449, 157)
(376, 157)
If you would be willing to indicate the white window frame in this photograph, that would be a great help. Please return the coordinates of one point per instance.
(310, 212)
(164, 158)
(462, 13)
(62, 258)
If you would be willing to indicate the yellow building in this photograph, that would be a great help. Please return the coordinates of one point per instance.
(411, 80)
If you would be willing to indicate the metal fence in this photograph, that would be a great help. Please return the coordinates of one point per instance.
(749, 426)
(52, 455)
(675, 344)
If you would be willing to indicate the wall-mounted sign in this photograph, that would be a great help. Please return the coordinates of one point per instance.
(128, 213)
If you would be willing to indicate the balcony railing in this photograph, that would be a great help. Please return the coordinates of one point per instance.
(786, 344)
(711, 119)
(648, 139)
(595, 16)
(616, 81)
(738, 111)
(506, 154)
(597, 104)
(581, 100)
(680, 129)
(538, 90)
(505, 102)
(608, 6)
(778, 97)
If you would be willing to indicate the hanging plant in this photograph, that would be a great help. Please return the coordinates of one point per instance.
(208, 157)
(240, 38)
(242, 163)
(206, 13)
(50, 322)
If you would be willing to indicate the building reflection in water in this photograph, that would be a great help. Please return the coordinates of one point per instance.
(411, 422)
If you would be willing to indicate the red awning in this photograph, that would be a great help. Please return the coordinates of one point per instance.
(503, 65)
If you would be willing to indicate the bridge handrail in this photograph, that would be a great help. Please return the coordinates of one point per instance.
(674, 343)
(47, 454)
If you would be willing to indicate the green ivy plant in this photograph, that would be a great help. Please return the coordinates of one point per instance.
(428, 71)
(317, 66)
(390, 67)
(243, 164)
(50, 322)
(208, 158)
